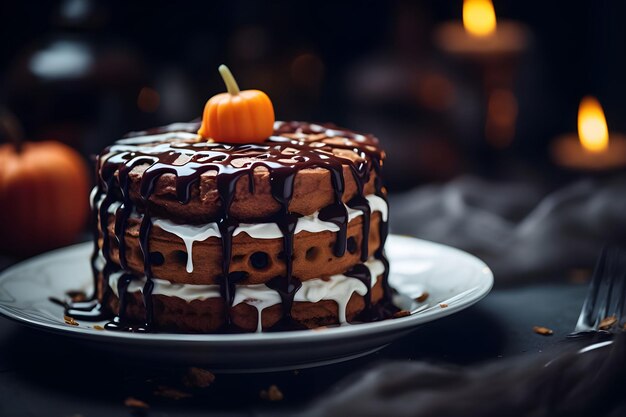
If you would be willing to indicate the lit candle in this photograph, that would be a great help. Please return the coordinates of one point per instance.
(594, 148)
(480, 36)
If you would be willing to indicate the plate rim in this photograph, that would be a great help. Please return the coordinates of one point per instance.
(263, 338)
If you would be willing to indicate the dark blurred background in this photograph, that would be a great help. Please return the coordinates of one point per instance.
(85, 72)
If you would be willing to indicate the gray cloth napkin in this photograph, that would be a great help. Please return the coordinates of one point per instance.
(518, 230)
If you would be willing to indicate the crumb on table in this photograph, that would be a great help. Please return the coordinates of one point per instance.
(401, 313)
(171, 393)
(544, 331)
(198, 378)
(273, 393)
(607, 323)
(135, 403)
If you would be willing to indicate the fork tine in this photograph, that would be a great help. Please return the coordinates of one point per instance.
(611, 268)
(619, 309)
(589, 306)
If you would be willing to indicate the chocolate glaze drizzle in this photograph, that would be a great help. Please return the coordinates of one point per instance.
(296, 146)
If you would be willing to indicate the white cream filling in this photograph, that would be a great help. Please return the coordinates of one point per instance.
(197, 233)
(188, 234)
(338, 288)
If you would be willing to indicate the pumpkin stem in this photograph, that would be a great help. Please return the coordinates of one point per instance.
(12, 130)
(229, 80)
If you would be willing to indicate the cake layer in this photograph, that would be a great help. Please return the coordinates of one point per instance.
(200, 308)
(301, 146)
(193, 254)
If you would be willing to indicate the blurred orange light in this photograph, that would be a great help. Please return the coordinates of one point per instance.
(502, 111)
(307, 70)
(479, 17)
(434, 91)
(593, 131)
(148, 100)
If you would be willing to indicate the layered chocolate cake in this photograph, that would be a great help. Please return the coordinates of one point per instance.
(198, 236)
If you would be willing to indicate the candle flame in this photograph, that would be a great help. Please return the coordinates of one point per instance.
(592, 128)
(479, 17)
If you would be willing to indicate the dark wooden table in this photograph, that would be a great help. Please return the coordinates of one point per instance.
(46, 375)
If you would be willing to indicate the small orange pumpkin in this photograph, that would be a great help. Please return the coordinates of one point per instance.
(237, 116)
(44, 188)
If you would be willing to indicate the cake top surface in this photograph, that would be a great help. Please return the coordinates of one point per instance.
(292, 144)
(172, 163)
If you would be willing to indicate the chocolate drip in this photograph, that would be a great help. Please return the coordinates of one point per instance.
(296, 147)
(147, 302)
(227, 228)
(361, 203)
(124, 211)
(361, 174)
(121, 217)
(233, 279)
(286, 286)
(336, 213)
(281, 182)
(103, 217)
(119, 322)
(363, 274)
(144, 244)
(95, 233)
(286, 289)
(385, 308)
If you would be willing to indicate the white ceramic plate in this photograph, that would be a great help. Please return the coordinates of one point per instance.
(454, 279)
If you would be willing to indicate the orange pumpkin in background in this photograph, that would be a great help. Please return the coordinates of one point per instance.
(44, 189)
(237, 116)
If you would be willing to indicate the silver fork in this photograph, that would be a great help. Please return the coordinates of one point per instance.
(603, 309)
